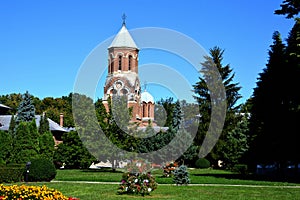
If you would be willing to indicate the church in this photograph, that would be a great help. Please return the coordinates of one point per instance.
(123, 78)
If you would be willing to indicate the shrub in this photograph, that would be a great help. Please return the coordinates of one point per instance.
(240, 168)
(181, 176)
(169, 168)
(41, 169)
(202, 163)
(136, 183)
(11, 173)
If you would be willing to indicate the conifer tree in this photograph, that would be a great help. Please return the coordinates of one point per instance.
(181, 176)
(276, 104)
(46, 142)
(267, 112)
(203, 97)
(26, 110)
(44, 124)
(290, 8)
(292, 102)
(26, 143)
(5, 147)
(12, 124)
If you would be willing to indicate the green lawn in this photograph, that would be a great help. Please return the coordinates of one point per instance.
(92, 191)
(249, 187)
(197, 176)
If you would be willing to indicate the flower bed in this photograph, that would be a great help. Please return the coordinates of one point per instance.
(137, 183)
(24, 192)
(169, 168)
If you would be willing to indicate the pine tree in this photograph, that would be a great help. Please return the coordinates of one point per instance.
(44, 124)
(12, 125)
(26, 144)
(5, 147)
(206, 98)
(26, 110)
(289, 8)
(292, 101)
(46, 142)
(181, 176)
(237, 144)
(267, 112)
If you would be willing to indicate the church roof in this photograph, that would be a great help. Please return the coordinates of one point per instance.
(4, 106)
(5, 121)
(123, 39)
(147, 97)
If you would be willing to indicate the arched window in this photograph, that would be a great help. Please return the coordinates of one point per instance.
(129, 62)
(120, 62)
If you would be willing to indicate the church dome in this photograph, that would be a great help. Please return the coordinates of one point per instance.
(147, 97)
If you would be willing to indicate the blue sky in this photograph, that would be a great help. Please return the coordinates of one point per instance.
(44, 43)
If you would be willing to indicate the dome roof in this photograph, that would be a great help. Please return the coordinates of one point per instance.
(123, 39)
(147, 97)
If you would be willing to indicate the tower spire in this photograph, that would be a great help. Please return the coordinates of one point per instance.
(124, 18)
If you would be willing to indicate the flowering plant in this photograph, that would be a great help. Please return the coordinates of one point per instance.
(135, 183)
(24, 192)
(169, 168)
(138, 166)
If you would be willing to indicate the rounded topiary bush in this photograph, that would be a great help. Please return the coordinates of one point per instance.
(41, 169)
(202, 163)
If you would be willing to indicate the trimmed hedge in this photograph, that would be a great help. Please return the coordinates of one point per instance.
(11, 173)
(41, 169)
(240, 168)
(202, 163)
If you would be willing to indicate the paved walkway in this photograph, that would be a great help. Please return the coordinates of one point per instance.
(205, 185)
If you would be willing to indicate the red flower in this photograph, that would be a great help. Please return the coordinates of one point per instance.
(71, 198)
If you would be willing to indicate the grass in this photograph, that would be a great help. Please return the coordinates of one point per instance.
(90, 191)
(203, 176)
(251, 188)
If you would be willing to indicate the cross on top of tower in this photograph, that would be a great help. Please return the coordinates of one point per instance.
(124, 18)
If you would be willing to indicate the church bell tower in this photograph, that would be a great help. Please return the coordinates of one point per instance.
(122, 78)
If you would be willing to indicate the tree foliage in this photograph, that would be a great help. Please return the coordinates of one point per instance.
(72, 152)
(5, 147)
(290, 8)
(275, 104)
(203, 96)
(46, 141)
(25, 142)
(26, 110)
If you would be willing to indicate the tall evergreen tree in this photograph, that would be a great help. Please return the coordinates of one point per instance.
(46, 142)
(237, 143)
(5, 147)
(203, 97)
(44, 124)
(267, 111)
(26, 110)
(12, 125)
(276, 103)
(292, 101)
(26, 143)
(290, 8)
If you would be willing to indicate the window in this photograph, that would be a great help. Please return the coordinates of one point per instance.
(120, 62)
(149, 110)
(129, 62)
(111, 66)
